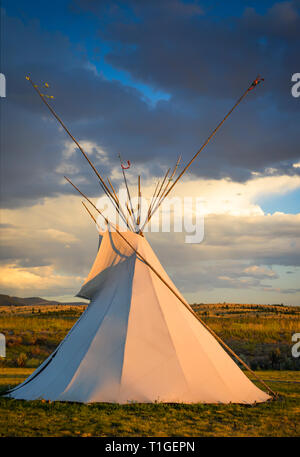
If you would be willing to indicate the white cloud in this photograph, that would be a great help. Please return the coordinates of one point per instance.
(232, 198)
(38, 280)
(70, 149)
(260, 272)
(60, 236)
(241, 248)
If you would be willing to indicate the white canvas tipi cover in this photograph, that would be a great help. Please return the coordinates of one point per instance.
(136, 342)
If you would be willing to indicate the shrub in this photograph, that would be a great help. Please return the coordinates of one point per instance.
(21, 360)
(29, 339)
(13, 341)
(36, 350)
(275, 357)
(32, 363)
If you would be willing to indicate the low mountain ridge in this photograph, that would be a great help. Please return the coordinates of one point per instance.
(7, 300)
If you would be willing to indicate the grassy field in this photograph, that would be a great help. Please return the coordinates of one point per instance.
(261, 335)
(38, 418)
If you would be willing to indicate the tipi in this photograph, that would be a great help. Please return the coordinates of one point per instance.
(138, 340)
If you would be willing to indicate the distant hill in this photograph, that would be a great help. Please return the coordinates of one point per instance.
(6, 300)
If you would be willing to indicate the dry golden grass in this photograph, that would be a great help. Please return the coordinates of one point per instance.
(252, 330)
(25, 310)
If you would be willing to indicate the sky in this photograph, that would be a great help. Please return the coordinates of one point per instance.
(150, 80)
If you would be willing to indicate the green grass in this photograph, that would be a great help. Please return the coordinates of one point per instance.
(253, 329)
(261, 335)
(32, 333)
(38, 418)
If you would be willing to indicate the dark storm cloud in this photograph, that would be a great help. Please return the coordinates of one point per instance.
(189, 54)
(201, 62)
(94, 108)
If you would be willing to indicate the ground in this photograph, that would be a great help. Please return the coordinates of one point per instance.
(38, 418)
(260, 334)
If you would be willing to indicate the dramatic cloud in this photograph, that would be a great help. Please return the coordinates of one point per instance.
(40, 280)
(248, 254)
(202, 63)
(241, 252)
(106, 63)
